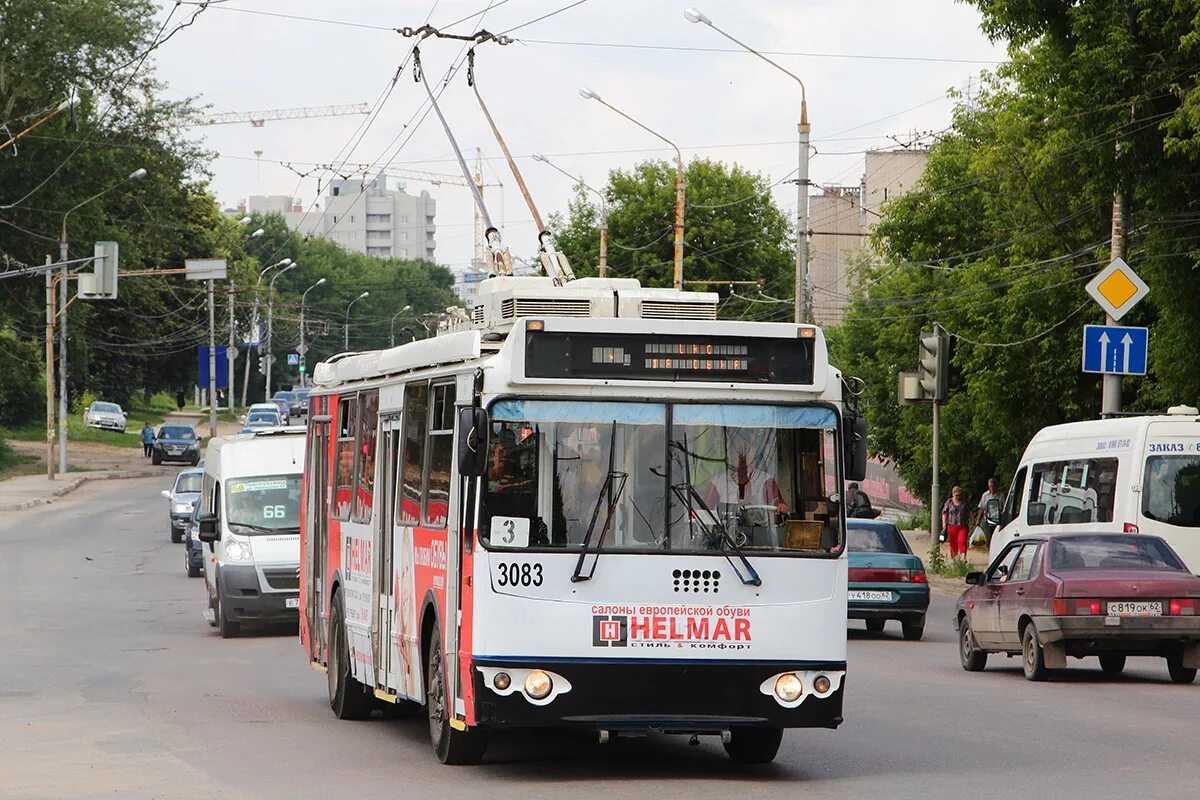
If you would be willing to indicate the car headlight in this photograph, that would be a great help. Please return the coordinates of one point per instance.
(182, 508)
(238, 551)
(194, 446)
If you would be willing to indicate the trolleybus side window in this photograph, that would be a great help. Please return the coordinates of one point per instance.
(441, 446)
(416, 421)
(344, 485)
(368, 419)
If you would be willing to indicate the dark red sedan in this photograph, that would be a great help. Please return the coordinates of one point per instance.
(1109, 595)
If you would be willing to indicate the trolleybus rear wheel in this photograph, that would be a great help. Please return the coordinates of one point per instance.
(754, 745)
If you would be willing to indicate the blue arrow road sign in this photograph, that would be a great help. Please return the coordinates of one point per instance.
(1115, 349)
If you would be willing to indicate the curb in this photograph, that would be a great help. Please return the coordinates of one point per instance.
(67, 488)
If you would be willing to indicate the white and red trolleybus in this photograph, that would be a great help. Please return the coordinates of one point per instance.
(592, 506)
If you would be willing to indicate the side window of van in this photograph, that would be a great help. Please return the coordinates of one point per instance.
(344, 485)
(1016, 493)
(1074, 492)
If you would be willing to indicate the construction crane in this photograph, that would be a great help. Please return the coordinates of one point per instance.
(258, 118)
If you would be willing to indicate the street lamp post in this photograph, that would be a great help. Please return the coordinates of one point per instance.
(392, 337)
(346, 327)
(136, 175)
(603, 210)
(588, 94)
(804, 299)
(271, 326)
(231, 350)
(303, 346)
(254, 321)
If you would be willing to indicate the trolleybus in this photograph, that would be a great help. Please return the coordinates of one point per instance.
(591, 506)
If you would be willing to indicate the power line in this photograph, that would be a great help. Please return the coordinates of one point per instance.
(1027, 339)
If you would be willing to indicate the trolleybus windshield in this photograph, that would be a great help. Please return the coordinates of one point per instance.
(692, 477)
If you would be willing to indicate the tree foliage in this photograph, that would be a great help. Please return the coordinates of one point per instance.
(1013, 216)
(733, 231)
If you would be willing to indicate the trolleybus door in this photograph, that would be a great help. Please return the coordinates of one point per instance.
(383, 622)
(318, 530)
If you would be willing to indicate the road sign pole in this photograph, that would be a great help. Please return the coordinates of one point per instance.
(1110, 390)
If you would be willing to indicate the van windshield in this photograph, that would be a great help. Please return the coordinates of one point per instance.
(1171, 490)
(263, 504)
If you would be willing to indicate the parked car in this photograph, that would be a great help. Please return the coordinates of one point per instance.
(193, 552)
(296, 407)
(1112, 595)
(887, 581)
(183, 496)
(176, 443)
(106, 416)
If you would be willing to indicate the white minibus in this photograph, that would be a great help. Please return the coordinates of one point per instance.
(250, 528)
(1135, 474)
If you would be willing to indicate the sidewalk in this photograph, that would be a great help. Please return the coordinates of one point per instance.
(976, 557)
(95, 462)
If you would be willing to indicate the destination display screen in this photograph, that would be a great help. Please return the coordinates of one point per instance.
(550, 354)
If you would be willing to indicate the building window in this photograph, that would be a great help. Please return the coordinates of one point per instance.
(403, 236)
(403, 220)
(404, 252)
(333, 236)
(383, 219)
(335, 219)
(351, 218)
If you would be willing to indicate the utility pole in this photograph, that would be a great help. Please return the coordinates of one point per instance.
(62, 352)
(804, 306)
(212, 364)
(1110, 391)
(49, 369)
(231, 351)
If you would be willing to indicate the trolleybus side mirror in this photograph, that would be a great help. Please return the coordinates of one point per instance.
(473, 427)
(207, 528)
(854, 438)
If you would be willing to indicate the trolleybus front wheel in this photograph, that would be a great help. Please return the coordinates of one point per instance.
(753, 745)
(453, 746)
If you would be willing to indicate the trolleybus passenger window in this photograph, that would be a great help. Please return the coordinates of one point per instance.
(416, 421)
(368, 419)
(441, 446)
(344, 493)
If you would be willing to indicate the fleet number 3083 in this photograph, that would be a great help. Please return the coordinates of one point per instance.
(517, 574)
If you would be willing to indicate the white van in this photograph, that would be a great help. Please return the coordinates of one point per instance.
(1125, 474)
(250, 527)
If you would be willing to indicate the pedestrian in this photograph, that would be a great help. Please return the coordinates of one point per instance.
(147, 439)
(858, 504)
(180, 399)
(992, 493)
(955, 517)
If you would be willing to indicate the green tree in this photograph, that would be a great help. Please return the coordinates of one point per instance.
(733, 231)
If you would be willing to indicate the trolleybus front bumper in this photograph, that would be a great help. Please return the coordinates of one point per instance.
(669, 696)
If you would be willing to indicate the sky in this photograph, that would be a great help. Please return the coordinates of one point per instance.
(876, 71)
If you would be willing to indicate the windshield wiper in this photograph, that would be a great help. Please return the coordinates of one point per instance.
(715, 532)
(613, 486)
(260, 529)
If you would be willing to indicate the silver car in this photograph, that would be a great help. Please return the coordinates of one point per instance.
(106, 416)
(183, 497)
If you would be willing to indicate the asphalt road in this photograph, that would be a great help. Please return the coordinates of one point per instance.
(112, 685)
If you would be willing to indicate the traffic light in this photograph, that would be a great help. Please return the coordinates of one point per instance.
(933, 365)
(101, 283)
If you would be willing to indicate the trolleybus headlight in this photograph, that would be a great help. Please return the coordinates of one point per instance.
(538, 685)
(821, 684)
(501, 680)
(788, 687)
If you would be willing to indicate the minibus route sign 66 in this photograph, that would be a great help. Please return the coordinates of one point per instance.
(672, 627)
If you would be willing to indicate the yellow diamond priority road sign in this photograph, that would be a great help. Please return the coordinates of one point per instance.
(1117, 288)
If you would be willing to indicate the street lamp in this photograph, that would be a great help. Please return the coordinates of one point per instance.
(254, 321)
(588, 94)
(603, 210)
(303, 346)
(346, 327)
(271, 324)
(392, 338)
(136, 175)
(804, 300)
